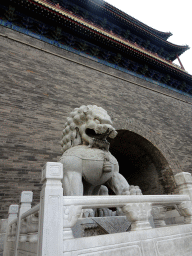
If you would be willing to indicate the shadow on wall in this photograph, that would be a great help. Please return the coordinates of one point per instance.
(142, 164)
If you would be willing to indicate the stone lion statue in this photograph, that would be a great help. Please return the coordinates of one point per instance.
(88, 166)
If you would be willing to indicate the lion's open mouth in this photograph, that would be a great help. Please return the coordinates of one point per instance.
(100, 140)
(91, 133)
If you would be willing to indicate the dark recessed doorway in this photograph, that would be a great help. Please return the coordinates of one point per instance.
(140, 162)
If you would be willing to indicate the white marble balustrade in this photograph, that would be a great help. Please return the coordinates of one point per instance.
(46, 228)
(137, 208)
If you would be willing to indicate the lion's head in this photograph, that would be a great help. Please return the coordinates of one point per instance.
(88, 125)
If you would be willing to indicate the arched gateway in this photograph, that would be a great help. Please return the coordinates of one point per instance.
(142, 163)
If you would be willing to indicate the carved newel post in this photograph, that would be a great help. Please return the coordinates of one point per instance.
(13, 211)
(184, 184)
(51, 211)
(138, 214)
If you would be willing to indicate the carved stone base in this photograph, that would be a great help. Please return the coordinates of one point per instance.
(32, 238)
(67, 233)
(22, 238)
(11, 238)
(159, 223)
(188, 220)
(140, 225)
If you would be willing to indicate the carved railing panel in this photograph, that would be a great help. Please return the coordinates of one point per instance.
(138, 208)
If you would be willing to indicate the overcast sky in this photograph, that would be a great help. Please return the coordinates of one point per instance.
(166, 15)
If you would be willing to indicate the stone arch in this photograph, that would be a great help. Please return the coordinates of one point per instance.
(144, 158)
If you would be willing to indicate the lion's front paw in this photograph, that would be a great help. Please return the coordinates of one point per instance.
(105, 212)
(87, 213)
(135, 190)
(126, 192)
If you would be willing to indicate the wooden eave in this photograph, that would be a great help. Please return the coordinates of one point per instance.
(174, 49)
(98, 34)
(150, 33)
(123, 15)
(102, 33)
(156, 37)
(120, 14)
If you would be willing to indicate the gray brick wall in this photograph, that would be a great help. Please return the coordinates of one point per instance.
(40, 87)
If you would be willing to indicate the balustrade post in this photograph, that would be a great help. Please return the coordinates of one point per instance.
(25, 205)
(70, 216)
(158, 212)
(184, 183)
(12, 214)
(50, 240)
(185, 209)
(26, 200)
(138, 214)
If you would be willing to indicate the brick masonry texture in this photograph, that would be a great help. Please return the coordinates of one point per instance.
(39, 90)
